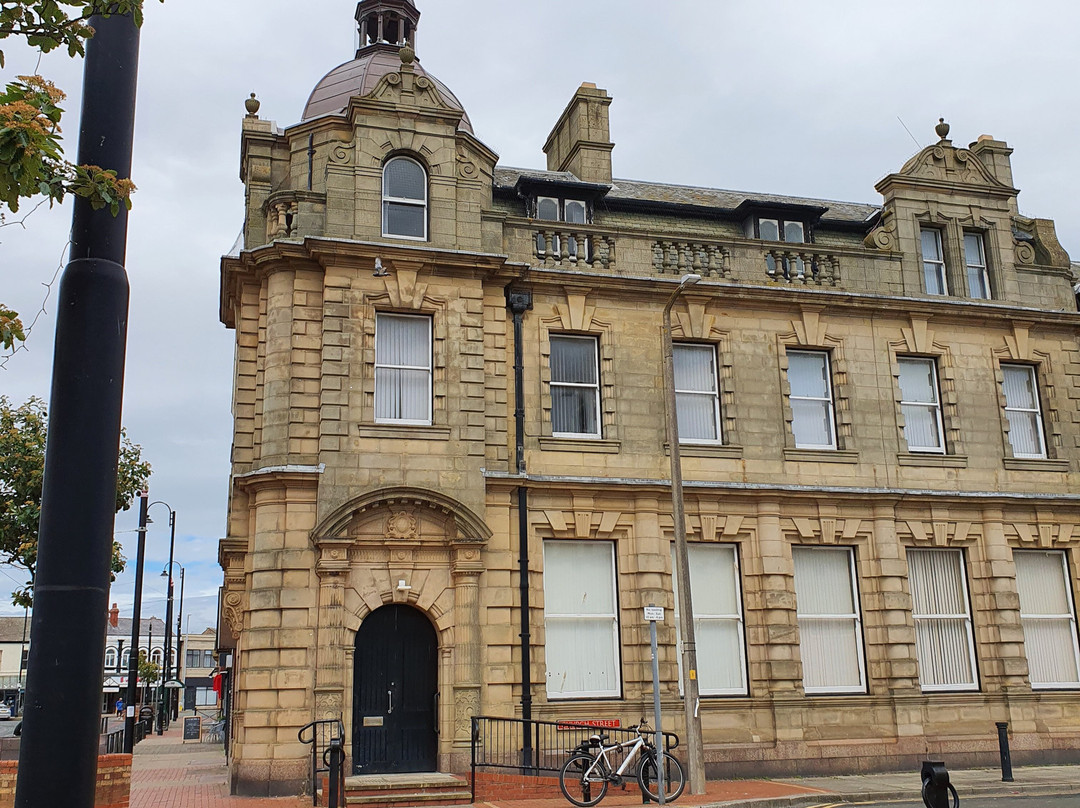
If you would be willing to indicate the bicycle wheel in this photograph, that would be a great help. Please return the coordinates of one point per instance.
(952, 793)
(580, 785)
(674, 781)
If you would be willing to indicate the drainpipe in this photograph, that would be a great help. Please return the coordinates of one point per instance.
(519, 301)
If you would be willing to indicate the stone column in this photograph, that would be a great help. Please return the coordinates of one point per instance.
(331, 673)
(467, 674)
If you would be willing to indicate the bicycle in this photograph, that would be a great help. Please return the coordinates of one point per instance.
(585, 776)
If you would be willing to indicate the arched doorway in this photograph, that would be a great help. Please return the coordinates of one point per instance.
(395, 690)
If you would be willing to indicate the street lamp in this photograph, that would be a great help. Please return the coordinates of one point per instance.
(694, 748)
(168, 619)
(166, 573)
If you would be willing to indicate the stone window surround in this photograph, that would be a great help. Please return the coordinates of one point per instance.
(435, 309)
(606, 379)
(951, 231)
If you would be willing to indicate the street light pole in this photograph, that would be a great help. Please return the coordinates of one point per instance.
(168, 621)
(167, 573)
(133, 650)
(62, 709)
(694, 747)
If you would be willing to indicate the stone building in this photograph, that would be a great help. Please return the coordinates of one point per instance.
(449, 371)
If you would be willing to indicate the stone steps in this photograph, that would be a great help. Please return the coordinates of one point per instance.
(399, 790)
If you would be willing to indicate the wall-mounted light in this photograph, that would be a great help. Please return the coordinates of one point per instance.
(402, 586)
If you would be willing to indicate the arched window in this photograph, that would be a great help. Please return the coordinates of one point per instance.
(110, 658)
(155, 656)
(125, 659)
(404, 199)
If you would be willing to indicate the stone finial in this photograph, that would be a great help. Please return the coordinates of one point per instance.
(252, 106)
(407, 54)
(942, 129)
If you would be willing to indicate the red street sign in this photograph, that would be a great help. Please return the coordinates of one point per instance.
(604, 723)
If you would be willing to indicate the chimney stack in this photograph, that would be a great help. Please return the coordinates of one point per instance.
(581, 140)
(114, 616)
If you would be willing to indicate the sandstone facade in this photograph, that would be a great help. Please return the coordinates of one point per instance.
(339, 508)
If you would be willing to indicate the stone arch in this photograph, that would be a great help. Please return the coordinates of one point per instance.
(467, 523)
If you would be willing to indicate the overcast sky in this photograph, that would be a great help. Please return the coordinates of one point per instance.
(790, 97)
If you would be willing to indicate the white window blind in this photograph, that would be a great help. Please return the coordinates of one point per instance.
(975, 258)
(404, 199)
(696, 398)
(402, 368)
(1022, 411)
(944, 645)
(933, 263)
(830, 634)
(575, 387)
(718, 619)
(1048, 617)
(580, 619)
(920, 404)
(811, 400)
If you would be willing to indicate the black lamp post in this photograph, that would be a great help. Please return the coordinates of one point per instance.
(133, 649)
(167, 573)
(168, 620)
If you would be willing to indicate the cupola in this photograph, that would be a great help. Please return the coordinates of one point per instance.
(386, 22)
(387, 43)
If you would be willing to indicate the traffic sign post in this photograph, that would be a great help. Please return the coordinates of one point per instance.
(654, 614)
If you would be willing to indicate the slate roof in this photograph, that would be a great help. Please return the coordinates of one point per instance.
(716, 198)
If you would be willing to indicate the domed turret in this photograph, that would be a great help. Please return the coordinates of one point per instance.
(387, 40)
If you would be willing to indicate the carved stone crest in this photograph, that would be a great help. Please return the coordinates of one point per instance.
(402, 525)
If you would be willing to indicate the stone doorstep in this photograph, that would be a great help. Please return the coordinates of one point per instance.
(410, 781)
(421, 788)
(404, 798)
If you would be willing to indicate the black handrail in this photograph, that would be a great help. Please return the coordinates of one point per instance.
(323, 733)
(504, 743)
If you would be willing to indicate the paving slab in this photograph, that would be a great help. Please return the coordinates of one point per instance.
(168, 773)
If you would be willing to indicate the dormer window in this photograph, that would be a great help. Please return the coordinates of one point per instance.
(768, 229)
(571, 211)
(553, 209)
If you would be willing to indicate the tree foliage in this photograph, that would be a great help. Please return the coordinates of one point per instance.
(149, 671)
(32, 160)
(22, 470)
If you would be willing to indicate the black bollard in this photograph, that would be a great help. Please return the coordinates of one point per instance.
(1003, 751)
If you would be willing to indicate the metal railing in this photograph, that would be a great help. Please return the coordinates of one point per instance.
(321, 735)
(113, 742)
(532, 747)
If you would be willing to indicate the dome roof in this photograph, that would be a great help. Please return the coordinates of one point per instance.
(360, 76)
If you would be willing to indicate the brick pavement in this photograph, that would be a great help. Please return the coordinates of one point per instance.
(167, 773)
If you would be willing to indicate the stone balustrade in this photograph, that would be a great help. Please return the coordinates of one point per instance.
(574, 246)
(801, 264)
(294, 214)
(701, 258)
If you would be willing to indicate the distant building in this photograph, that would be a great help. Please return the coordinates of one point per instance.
(14, 646)
(118, 652)
(451, 494)
(198, 669)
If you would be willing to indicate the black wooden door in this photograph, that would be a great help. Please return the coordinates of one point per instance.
(394, 693)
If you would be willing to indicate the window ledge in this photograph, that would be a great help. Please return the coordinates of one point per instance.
(707, 450)
(599, 446)
(411, 431)
(931, 459)
(1035, 464)
(821, 455)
